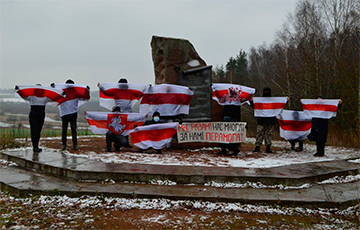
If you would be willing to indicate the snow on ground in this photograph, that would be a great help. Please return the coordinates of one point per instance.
(166, 204)
(282, 156)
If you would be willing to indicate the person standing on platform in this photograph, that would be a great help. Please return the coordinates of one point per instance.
(75, 96)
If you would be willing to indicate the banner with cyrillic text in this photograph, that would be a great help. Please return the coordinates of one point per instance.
(213, 132)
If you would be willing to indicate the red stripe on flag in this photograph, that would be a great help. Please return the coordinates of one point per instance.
(76, 92)
(319, 107)
(220, 93)
(152, 135)
(291, 125)
(265, 106)
(39, 92)
(128, 94)
(101, 124)
(166, 98)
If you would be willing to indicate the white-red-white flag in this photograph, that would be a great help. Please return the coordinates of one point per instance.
(231, 94)
(268, 106)
(156, 136)
(39, 95)
(75, 96)
(325, 108)
(120, 94)
(117, 123)
(294, 125)
(167, 99)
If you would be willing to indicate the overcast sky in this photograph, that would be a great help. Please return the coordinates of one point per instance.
(102, 41)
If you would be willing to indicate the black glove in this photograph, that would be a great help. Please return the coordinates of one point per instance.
(16, 87)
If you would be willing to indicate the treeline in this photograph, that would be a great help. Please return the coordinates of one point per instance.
(316, 52)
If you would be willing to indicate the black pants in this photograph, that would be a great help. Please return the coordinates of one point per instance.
(118, 140)
(36, 124)
(65, 122)
(231, 147)
(293, 142)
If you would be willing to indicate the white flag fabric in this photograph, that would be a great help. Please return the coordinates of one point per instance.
(117, 123)
(231, 94)
(268, 106)
(120, 94)
(156, 136)
(75, 96)
(324, 108)
(167, 99)
(39, 95)
(294, 125)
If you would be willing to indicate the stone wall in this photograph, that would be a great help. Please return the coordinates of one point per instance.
(170, 52)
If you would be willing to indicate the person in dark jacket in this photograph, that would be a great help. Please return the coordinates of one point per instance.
(230, 113)
(155, 120)
(319, 131)
(119, 140)
(265, 126)
(234, 147)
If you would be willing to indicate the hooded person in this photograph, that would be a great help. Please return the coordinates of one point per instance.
(265, 126)
(155, 120)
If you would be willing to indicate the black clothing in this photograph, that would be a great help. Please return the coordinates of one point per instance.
(233, 111)
(319, 129)
(118, 140)
(36, 120)
(37, 111)
(70, 118)
(293, 142)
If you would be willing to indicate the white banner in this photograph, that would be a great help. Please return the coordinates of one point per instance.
(215, 132)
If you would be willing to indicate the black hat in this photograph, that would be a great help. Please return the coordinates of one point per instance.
(116, 109)
(320, 96)
(156, 113)
(266, 92)
(122, 80)
(69, 81)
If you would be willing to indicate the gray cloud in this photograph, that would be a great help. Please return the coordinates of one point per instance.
(102, 41)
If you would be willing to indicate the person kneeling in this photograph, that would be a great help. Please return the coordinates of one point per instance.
(155, 120)
(118, 139)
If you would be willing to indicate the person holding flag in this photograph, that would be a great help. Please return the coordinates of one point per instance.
(155, 120)
(320, 111)
(75, 96)
(266, 108)
(294, 126)
(38, 96)
(120, 94)
(118, 139)
(155, 134)
(115, 125)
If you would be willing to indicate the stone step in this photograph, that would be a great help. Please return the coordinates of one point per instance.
(23, 183)
(81, 169)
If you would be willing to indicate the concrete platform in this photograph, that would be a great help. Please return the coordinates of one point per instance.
(55, 173)
(81, 169)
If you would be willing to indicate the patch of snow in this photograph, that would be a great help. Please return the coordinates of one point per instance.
(281, 157)
(341, 179)
(354, 161)
(7, 163)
